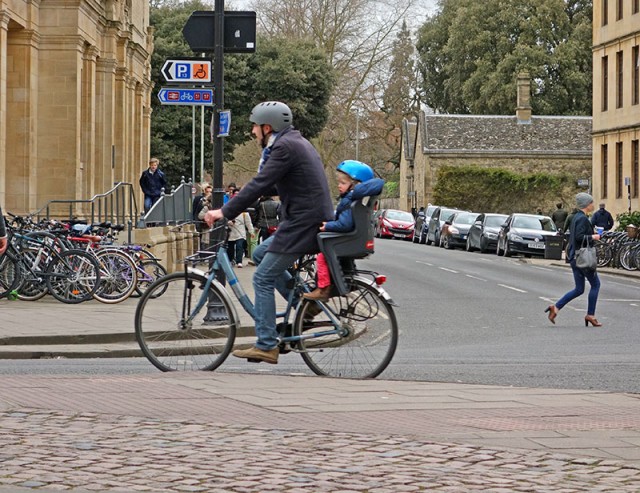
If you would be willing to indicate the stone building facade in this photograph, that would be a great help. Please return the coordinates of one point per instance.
(75, 87)
(522, 143)
(616, 104)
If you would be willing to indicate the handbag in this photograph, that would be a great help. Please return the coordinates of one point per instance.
(586, 257)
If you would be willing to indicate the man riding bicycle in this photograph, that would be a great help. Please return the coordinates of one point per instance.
(292, 166)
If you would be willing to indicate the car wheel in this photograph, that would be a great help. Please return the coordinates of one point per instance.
(483, 245)
(423, 236)
(507, 252)
(447, 243)
(468, 246)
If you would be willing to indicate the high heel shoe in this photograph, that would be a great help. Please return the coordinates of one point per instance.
(590, 319)
(553, 313)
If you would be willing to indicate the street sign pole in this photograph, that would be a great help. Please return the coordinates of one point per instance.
(218, 79)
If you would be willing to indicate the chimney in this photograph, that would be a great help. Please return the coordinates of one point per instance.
(523, 110)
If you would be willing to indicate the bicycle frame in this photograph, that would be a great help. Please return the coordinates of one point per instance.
(223, 263)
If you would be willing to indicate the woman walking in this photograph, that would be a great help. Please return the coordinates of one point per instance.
(581, 233)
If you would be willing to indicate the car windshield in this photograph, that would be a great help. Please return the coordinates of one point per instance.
(446, 214)
(400, 216)
(533, 222)
(429, 211)
(465, 218)
(495, 221)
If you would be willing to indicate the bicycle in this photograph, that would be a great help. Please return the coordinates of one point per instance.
(193, 325)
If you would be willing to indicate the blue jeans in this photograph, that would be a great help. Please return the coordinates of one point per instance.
(579, 276)
(271, 275)
(149, 201)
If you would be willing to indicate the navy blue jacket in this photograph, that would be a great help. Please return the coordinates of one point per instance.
(295, 169)
(579, 229)
(343, 222)
(603, 219)
(153, 183)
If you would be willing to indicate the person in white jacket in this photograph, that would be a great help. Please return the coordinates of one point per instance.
(241, 227)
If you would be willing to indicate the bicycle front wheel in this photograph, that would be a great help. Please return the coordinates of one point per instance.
(73, 276)
(174, 334)
(367, 338)
(118, 276)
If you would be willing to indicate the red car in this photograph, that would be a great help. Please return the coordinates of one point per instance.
(392, 223)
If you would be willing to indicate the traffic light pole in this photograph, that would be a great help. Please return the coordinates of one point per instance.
(218, 103)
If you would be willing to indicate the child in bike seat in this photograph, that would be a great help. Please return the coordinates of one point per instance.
(355, 180)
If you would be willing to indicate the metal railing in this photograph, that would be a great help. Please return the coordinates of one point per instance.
(117, 206)
(172, 208)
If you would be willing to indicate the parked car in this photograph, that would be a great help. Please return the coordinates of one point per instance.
(525, 233)
(439, 216)
(422, 224)
(374, 217)
(456, 229)
(483, 234)
(392, 223)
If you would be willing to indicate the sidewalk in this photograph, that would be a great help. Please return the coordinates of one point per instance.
(228, 432)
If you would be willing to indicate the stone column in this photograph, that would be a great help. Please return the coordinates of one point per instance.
(523, 110)
(4, 23)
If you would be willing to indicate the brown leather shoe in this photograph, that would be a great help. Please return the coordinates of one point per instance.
(255, 355)
(318, 294)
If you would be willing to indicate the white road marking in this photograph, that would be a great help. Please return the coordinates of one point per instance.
(512, 288)
(448, 270)
(424, 263)
(543, 268)
(474, 277)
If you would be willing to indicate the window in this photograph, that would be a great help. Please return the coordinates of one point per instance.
(604, 169)
(619, 80)
(605, 83)
(635, 79)
(619, 7)
(635, 6)
(635, 169)
(618, 170)
(605, 12)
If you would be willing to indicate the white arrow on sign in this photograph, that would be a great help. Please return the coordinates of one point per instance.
(187, 70)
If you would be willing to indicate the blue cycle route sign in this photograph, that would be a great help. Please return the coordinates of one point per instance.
(188, 97)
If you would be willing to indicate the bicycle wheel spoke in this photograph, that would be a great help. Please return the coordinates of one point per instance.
(172, 341)
(367, 339)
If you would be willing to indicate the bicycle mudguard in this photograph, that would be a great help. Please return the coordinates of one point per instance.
(372, 283)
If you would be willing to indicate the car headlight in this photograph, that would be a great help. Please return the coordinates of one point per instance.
(515, 237)
(490, 235)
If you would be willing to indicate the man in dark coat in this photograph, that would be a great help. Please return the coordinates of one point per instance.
(602, 218)
(152, 181)
(292, 165)
(3, 234)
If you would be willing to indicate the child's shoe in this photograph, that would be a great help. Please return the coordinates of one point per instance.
(318, 294)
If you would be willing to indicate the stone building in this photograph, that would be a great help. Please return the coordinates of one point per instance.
(74, 98)
(522, 143)
(616, 104)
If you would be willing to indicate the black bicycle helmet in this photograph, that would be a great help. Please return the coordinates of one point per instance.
(273, 113)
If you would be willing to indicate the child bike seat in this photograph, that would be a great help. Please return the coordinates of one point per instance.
(354, 244)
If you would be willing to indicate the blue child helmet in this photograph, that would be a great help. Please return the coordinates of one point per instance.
(356, 170)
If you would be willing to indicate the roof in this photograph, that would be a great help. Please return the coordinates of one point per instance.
(490, 134)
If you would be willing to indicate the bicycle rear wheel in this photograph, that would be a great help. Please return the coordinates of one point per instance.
(9, 274)
(118, 276)
(148, 272)
(73, 276)
(369, 338)
(173, 341)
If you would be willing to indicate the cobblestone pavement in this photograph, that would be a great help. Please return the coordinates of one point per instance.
(51, 450)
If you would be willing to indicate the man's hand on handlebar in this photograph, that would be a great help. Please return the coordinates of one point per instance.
(212, 216)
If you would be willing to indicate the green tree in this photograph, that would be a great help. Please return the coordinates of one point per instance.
(470, 53)
(297, 73)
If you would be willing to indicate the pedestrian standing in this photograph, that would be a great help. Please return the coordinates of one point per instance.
(152, 182)
(580, 233)
(602, 218)
(559, 216)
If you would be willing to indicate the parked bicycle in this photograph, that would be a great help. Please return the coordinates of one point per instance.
(193, 325)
